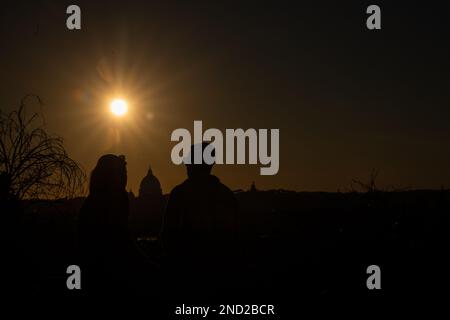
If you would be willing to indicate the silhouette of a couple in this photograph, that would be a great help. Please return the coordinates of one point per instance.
(198, 233)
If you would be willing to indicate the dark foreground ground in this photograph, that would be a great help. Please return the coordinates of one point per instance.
(295, 248)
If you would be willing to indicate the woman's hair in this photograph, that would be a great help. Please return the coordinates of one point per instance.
(109, 175)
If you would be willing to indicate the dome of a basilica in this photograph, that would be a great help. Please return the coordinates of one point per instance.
(150, 185)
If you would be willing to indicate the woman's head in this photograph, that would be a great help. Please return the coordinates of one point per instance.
(109, 175)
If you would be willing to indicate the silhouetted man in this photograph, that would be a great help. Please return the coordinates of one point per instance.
(199, 226)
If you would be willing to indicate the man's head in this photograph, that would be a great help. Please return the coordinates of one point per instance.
(202, 169)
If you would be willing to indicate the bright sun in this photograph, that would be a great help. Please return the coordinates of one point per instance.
(119, 107)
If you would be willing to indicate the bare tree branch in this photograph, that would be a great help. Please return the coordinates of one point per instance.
(35, 162)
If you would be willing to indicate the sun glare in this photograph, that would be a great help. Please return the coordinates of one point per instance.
(119, 107)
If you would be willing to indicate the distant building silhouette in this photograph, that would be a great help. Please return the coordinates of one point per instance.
(253, 187)
(147, 209)
(150, 186)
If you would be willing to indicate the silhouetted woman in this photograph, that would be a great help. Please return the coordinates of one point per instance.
(109, 257)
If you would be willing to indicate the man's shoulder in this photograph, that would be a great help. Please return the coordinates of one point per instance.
(224, 191)
(213, 184)
(179, 188)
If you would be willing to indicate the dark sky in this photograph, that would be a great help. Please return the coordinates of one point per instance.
(345, 99)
